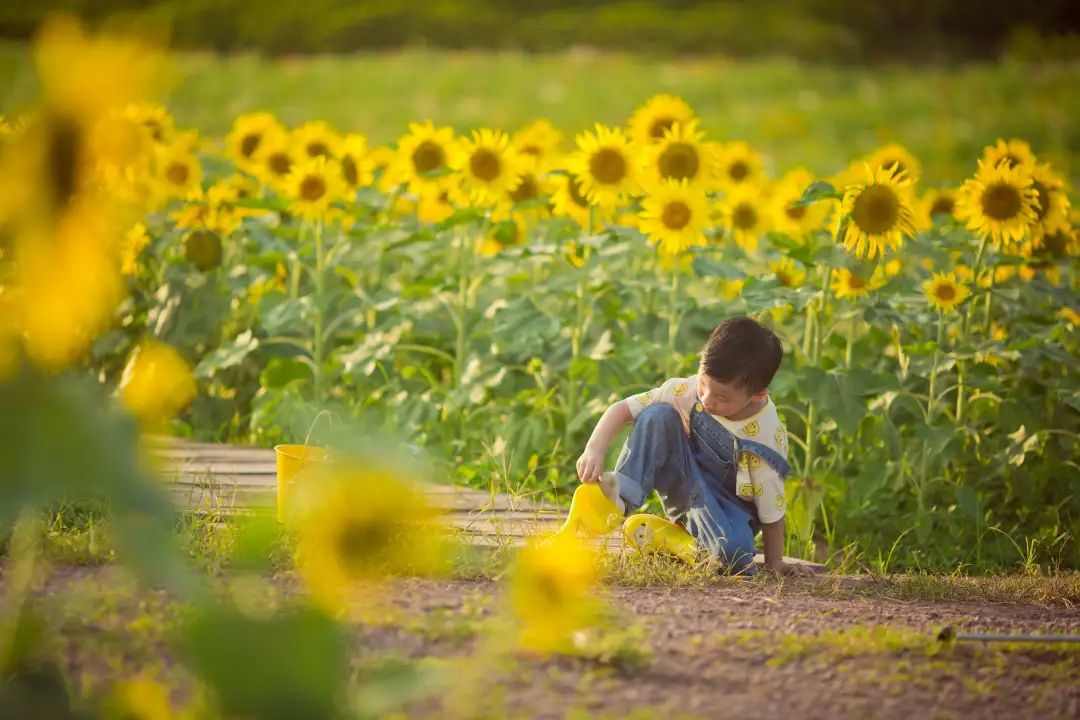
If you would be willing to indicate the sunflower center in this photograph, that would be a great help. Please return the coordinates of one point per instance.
(312, 188)
(660, 126)
(608, 166)
(876, 209)
(574, 190)
(348, 170)
(1056, 244)
(1001, 201)
(527, 189)
(942, 206)
(795, 212)
(63, 152)
(856, 283)
(428, 156)
(676, 215)
(533, 150)
(1043, 196)
(744, 217)
(249, 144)
(317, 149)
(177, 173)
(485, 165)
(280, 163)
(359, 541)
(945, 292)
(738, 170)
(679, 161)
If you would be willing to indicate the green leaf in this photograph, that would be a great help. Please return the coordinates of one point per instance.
(818, 190)
(228, 356)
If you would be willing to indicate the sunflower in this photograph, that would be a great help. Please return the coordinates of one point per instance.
(1052, 215)
(131, 246)
(675, 215)
(895, 157)
(945, 292)
(569, 201)
(1013, 152)
(739, 165)
(503, 234)
(313, 185)
(1000, 203)
(361, 522)
(424, 158)
(316, 139)
(551, 592)
(681, 155)
(538, 142)
(605, 165)
(489, 167)
(438, 204)
(120, 148)
(156, 384)
(275, 158)
(879, 214)
(357, 166)
(178, 170)
(528, 198)
(247, 135)
(745, 213)
(934, 204)
(155, 118)
(659, 113)
(797, 221)
(846, 284)
(788, 273)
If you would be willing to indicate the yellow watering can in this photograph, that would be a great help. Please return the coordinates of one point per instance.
(591, 512)
(291, 459)
(652, 533)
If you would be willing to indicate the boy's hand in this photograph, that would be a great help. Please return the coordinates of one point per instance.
(590, 465)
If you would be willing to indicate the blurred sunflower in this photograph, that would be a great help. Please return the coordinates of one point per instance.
(680, 154)
(605, 165)
(846, 284)
(551, 592)
(788, 273)
(357, 167)
(746, 215)
(1000, 203)
(945, 292)
(316, 138)
(1052, 214)
(156, 384)
(1070, 316)
(439, 204)
(800, 221)
(139, 698)
(674, 215)
(131, 246)
(275, 159)
(528, 198)
(361, 522)
(121, 150)
(178, 170)
(656, 116)
(424, 158)
(569, 201)
(155, 118)
(739, 165)
(504, 234)
(489, 167)
(936, 203)
(538, 142)
(895, 157)
(731, 288)
(879, 214)
(313, 185)
(1013, 152)
(247, 136)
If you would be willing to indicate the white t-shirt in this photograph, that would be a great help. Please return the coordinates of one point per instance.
(755, 479)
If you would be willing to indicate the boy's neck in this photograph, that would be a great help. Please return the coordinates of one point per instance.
(752, 408)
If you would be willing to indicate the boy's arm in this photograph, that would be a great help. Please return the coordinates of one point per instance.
(772, 536)
(591, 463)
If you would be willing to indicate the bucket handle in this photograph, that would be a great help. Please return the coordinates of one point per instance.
(311, 429)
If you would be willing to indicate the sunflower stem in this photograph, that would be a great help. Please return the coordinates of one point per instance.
(964, 327)
(673, 318)
(320, 311)
(931, 400)
(575, 342)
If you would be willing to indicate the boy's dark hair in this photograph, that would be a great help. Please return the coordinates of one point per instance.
(742, 351)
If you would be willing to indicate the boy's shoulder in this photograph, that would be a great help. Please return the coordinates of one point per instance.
(682, 392)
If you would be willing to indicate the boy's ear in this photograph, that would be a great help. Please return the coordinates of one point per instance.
(761, 395)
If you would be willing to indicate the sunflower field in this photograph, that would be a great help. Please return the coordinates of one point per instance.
(486, 294)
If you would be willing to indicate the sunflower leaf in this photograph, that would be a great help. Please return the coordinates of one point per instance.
(819, 190)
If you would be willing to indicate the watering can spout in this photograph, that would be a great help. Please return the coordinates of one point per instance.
(591, 512)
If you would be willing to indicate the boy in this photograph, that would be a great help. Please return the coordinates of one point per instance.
(712, 446)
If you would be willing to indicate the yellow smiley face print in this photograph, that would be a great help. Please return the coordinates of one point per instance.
(759, 490)
(781, 436)
(744, 459)
(679, 389)
(699, 407)
(645, 398)
(780, 501)
(745, 490)
(752, 428)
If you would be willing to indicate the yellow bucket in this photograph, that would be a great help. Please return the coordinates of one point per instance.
(291, 459)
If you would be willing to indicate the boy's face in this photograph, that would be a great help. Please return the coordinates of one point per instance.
(725, 399)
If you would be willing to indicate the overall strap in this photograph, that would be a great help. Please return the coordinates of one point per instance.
(766, 453)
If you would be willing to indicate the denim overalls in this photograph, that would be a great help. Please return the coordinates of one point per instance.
(695, 479)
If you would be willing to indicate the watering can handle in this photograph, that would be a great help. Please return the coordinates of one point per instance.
(311, 428)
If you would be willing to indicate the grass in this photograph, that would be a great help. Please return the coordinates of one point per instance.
(814, 115)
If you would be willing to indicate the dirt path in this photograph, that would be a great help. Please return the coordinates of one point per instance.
(738, 649)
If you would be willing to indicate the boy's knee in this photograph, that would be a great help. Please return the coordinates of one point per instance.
(662, 418)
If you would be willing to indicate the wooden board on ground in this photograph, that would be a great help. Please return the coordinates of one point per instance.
(232, 480)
